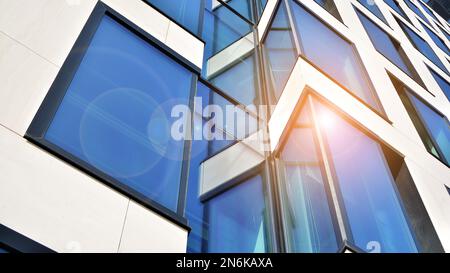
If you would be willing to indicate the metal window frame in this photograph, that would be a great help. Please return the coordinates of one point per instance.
(44, 116)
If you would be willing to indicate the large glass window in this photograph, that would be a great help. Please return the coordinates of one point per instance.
(281, 54)
(436, 39)
(395, 6)
(236, 219)
(373, 7)
(115, 116)
(416, 10)
(388, 47)
(429, 11)
(185, 12)
(422, 46)
(367, 181)
(309, 224)
(443, 84)
(333, 54)
(367, 187)
(433, 128)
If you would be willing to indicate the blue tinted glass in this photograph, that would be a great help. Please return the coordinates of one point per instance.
(395, 6)
(422, 46)
(194, 211)
(308, 218)
(329, 6)
(443, 84)
(372, 6)
(184, 12)
(438, 41)
(2, 250)
(427, 10)
(416, 10)
(236, 219)
(445, 32)
(437, 125)
(280, 51)
(243, 7)
(332, 54)
(367, 187)
(384, 44)
(238, 81)
(116, 113)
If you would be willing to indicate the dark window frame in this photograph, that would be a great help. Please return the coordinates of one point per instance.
(14, 242)
(44, 116)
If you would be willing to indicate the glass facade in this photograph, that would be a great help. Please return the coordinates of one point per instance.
(334, 55)
(422, 46)
(281, 53)
(443, 84)
(373, 7)
(432, 127)
(119, 122)
(395, 6)
(416, 10)
(185, 12)
(436, 39)
(330, 183)
(388, 47)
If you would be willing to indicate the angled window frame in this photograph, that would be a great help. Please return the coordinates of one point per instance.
(49, 106)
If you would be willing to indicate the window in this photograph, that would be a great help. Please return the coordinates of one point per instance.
(236, 219)
(334, 55)
(443, 84)
(185, 12)
(373, 7)
(428, 10)
(436, 39)
(281, 54)
(422, 46)
(329, 6)
(309, 223)
(447, 35)
(448, 189)
(114, 116)
(369, 196)
(416, 10)
(433, 128)
(362, 188)
(388, 47)
(14, 242)
(395, 6)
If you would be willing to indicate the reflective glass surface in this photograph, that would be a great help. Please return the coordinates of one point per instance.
(281, 54)
(423, 47)
(329, 6)
(334, 55)
(307, 213)
(438, 126)
(388, 47)
(395, 6)
(443, 84)
(120, 122)
(236, 219)
(373, 7)
(185, 12)
(416, 10)
(436, 39)
(367, 187)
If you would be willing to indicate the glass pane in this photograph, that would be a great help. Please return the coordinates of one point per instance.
(2, 250)
(307, 213)
(229, 58)
(395, 6)
(280, 52)
(438, 41)
(416, 10)
(443, 84)
(119, 122)
(329, 6)
(427, 10)
(333, 54)
(236, 219)
(438, 126)
(388, 47)
(367, 187)
(373, 7)
(422, 46)
(185, 12)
